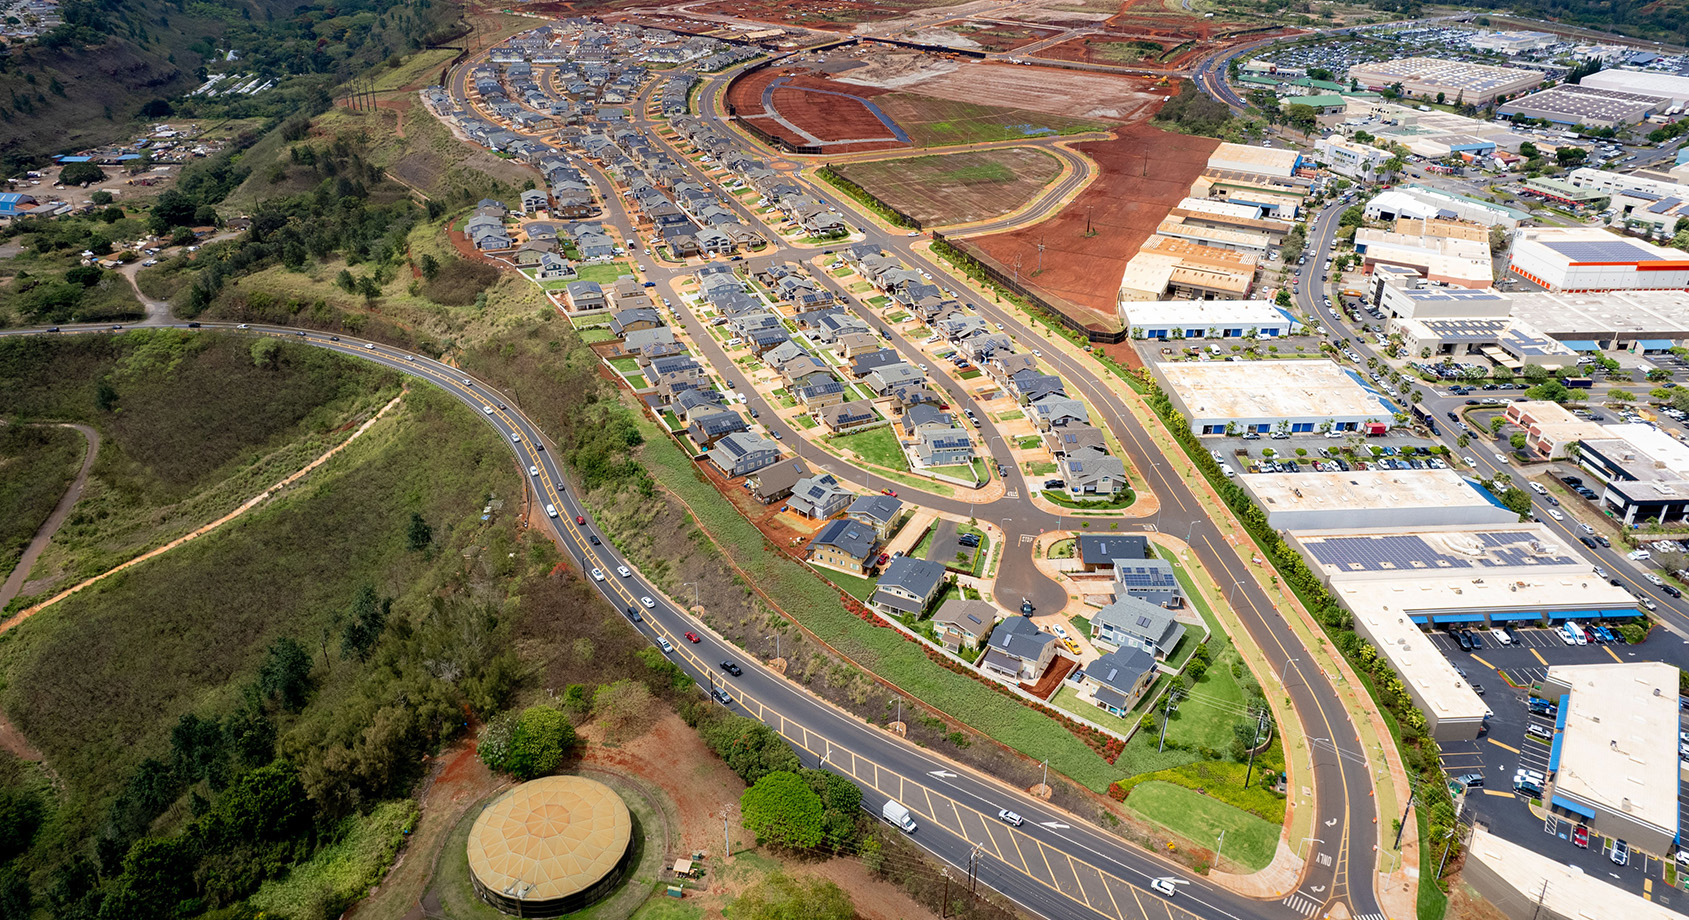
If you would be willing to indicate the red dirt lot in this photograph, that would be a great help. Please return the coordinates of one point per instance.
(812, 14)
(1144, 172)
(995, 36)
(823, 115)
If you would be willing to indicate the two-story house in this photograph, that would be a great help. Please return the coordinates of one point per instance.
(907, 585)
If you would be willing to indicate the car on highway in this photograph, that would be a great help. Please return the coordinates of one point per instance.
(1555, 514)
(622, 570)
(720, 695)
(1501, 459)
(533, 471)
(648, 602)
(597, 575)
(580, 520)
(732, 668)
(1163, 886)
(1601, 572)
(1008, 817)
(693, 638)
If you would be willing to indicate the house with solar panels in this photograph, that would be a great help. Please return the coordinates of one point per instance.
(1583, 259)
(1118, 680)
(1148, 580)
(1131, 622)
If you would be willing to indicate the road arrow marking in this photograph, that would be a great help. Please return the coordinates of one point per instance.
(1331, 823)
(1054, 825)
(1316, 889)
(941, 774)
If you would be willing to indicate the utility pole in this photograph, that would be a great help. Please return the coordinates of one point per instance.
(1260, 726)
(726, 838)
(1446, 848)
(1541, 896)
(944, 905)
(1402, 825)
(1046, 781)
(973, 869)
(1166, 714)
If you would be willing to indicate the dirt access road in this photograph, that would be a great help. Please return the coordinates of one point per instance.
(43, 536)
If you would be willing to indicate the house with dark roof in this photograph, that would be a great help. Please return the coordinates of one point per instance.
(1098, 551)
(1019, 650)
(1070, 438)
(774, 482)
(863, 363)
(1091, 471)
(1137, 623)
(820, 393)
(844, 545)
(907, 585)
(1056, 411)
(944, 447)
(707, 428)
(877, 511)
(819, 496)
(847, 416)
(584, 296)
(1149, 580)
(961, 624)
(743, 453)
(922, 417)
(651, 343)
(1117, 681)
(1028, 385)
(634, 320)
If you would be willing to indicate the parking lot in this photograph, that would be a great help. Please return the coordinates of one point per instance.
(1507, 675)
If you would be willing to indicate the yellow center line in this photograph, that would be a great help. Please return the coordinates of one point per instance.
(1610, 651)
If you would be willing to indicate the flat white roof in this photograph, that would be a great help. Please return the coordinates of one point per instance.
(1569, 891)
(1273, 161)
(1271, 390)
(1440, 688)
(1619, 750)
(1556, 422)
(1203, 313)
(1365, 489)
(1638, 314)
(1671, 86)
(1660, 447)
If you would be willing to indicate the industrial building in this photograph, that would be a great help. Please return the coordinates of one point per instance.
(1208, 319)
(1419, 202)
(1550, 430)
(1276, 197)
(1511, 43)
(1644, 473)
(1457, 81)
(1443, 251)
(1168, 267)
(1441, 322)
(1574, 104)
(1643, 321)
(1278, 162)
(1373, 499)
(1226, 397)
(1347, 158)
(1669, 86)
(1398, 581)
(1613, 763)
(1526, 885)
(1579, 259)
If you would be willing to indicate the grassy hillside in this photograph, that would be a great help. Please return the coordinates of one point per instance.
(37, 464)
(192, 426)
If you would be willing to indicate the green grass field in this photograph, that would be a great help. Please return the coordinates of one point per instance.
(957, 187)
(934, 122)
(1250, 841)
(876, 445)
(603, 273)
(37, 464)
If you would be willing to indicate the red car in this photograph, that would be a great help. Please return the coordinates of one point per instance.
(580, 520)
(1580, 836)
(888, 492)
(693, 637)
(884, 558)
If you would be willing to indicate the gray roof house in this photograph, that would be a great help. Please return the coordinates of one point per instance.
(819, 496)
(1073, 437)
(1091, 471)
(1100, 550)
(847, 416)
(963, 624)
(877, 511)
(907, 585)
(585, 295)
(1133, 623)
(944, 447)
(1056, 411)
(1019, 650)
(743, 453)
(1119, 679)
(1149, 580)
(709, 427)
(772, 483)
(844, 545)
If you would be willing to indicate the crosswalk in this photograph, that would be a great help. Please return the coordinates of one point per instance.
(1378, 916)
(1302, 904)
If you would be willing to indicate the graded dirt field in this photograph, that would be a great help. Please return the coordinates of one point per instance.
(1050, 90)
(811, 14)
(804, 108)
(1145, 172)
(996, 36)
(957, 187)
(931, 122)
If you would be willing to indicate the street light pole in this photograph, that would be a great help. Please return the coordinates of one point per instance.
(1219, 849)
(1305, 840)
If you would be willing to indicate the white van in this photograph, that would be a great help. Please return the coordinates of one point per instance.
(1539, 488)
(1501, 637)
(663, 644)
(550, 510)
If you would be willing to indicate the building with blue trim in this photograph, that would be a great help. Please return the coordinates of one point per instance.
(15, 203)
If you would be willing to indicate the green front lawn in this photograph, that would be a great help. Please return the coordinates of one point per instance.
(877, 446)
(1029, 442)
(604, 273)
(596, 335)
(805, 422)
(625, 365)
(855, 585)
(1011, 415)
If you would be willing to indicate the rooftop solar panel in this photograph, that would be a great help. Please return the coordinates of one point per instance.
(1603, 251)
(1664, 205)
(1512, 549)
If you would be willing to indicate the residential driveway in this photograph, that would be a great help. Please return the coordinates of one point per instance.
(944, 546)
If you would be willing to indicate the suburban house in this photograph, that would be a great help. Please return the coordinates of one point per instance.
(1028, 385)
(634, 320)
(923, 417)
(850, 344)
(847, 416)
(1056, 411)
(819, 496)
(1118, 680)
(554, 267)
(707, 428)
(1137, 623)
(1091, 471)
(876, 511)
(963, 624)
(844, 545)
(944, 447)
(1150, 580)
(907, 585)
(1019, 650)
(772, 483)
(585, 295)
(817, 394)
(1059, 441)
(1098, 551)
(651, 343)
(743, 453)
(864, 362)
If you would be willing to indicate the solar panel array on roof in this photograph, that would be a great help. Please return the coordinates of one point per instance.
(1664, 205)
(1141, 576)
(1615, 251)
(1507, 549)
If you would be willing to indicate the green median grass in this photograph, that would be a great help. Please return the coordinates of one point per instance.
(1250, 841)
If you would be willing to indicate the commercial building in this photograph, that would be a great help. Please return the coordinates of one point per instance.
(1577, 259)
(1435, 134)
(1373, 499)
(1527, 885)
(1611, 321)
(1550, 430)
(1347, 158)
(1417, 202)
(1168, 267)
(1221, 397)
(1644, 473)
(1397, 581)
(1669, 86)
(1277, 197)
(1278, 162)
(1574, 104)
(1613, 763)
(1511, 43)
(1208, 319)
(1447, 252)
(1440, 322)
(1457, 81)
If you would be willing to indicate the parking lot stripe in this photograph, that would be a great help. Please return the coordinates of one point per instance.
(1483, 662)
(1538, 657)
(1503, 746)
(1613, 653)
(1648, 888)
(1505, 795)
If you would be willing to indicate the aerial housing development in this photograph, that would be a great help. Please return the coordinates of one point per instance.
(896, 461)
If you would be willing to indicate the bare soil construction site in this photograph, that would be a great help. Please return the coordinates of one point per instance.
(957, 187)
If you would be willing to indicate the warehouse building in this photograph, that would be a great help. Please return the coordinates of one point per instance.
(1551, 430)
(1457, 81)
(1168, 267)
(1420, 203)
(1373, 499)
(1579, 259)
(1613, 763)
(1396, 582)
(1643, 321)
(1644, 473)
(1278, 162)
(1438, 322)
(1347, 158)
(1574, 104)
(1276, 197)
(1208, 319)
(1225, 397)
(1527, 885)
(1440, 251)
(1669, 86)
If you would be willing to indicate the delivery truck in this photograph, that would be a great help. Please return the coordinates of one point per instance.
(895, 813)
